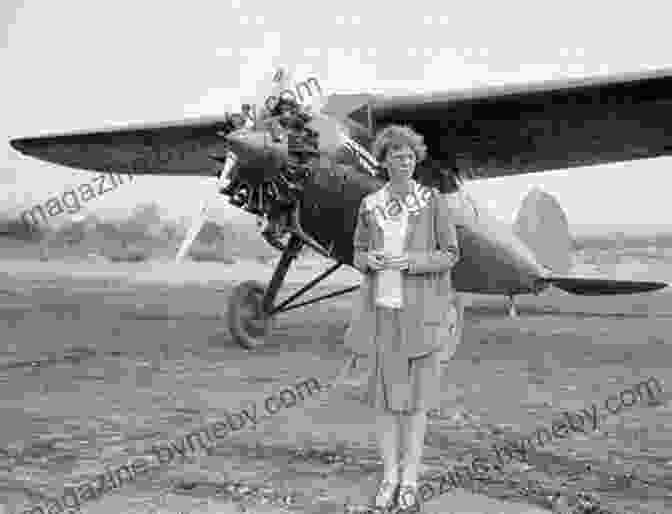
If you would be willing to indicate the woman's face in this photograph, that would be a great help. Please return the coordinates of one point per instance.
(400, 163)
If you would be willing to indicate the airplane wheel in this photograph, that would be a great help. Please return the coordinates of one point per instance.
(249, 326)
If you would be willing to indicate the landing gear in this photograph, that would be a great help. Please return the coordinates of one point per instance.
(251, 306)
(248, 323)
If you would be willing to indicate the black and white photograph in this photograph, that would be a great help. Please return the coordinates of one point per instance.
(343, 258)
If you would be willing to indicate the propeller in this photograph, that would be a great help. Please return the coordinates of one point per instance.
(276, 86)
(229, 162)
(192, 232)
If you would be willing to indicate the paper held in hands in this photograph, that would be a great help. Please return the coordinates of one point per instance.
(389, 292)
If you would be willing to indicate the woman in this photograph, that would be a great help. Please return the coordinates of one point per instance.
(405, 323)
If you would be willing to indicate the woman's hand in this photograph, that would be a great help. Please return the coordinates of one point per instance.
(399, 262)
(374, 261)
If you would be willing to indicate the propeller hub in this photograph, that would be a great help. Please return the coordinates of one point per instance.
(247, 144)
(259, 156)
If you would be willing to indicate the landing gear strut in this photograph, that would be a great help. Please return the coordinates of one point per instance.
(251, 306)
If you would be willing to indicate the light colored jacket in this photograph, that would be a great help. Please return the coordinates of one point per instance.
(428, 314)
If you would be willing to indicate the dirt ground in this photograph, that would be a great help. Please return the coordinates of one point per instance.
(94, 371)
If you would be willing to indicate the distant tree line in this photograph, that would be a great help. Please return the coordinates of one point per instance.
(146, 227)
(143, 232)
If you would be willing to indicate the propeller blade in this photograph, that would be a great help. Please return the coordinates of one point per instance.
(282, 79)
(199, 220)
(193, 231)
(230, 160)
(271, 85)
(598, 286)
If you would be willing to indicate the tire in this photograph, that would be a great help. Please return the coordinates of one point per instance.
(249, 327)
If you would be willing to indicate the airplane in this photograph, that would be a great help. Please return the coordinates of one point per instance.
(303, 167)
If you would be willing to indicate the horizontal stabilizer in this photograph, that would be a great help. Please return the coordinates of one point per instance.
(599, 286)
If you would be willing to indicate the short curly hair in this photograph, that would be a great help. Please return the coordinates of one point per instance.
(394, 137)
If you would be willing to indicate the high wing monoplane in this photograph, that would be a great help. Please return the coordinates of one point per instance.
(304, 167)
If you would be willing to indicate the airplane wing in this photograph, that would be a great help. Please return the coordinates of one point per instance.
(169, 148)
(485, 132)
(514, 130)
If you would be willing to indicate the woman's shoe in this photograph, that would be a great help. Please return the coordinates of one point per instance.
(386, 495)
(408, 498)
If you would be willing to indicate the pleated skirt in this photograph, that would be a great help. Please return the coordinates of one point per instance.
(419, 378)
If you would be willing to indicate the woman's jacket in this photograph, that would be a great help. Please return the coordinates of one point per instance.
(428, 315)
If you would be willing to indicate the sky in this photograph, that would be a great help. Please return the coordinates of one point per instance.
(77, 64)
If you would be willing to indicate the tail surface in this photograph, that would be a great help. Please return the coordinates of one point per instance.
(598, 286)
(542, 225)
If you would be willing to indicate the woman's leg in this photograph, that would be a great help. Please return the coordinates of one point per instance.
(388, 431)
(414, 428)
(426, 375)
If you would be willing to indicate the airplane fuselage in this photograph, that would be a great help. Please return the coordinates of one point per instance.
(493, 259)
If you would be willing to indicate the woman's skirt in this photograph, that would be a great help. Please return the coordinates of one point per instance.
(408, 385)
